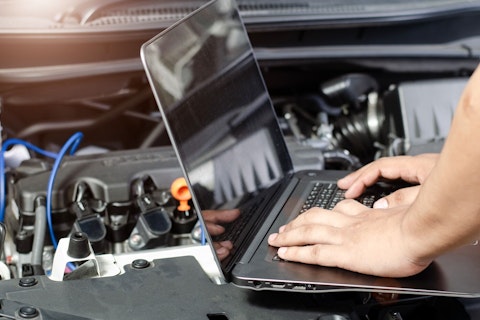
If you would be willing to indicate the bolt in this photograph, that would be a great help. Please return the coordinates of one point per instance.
(28, 312)
(140, 264)
(27, 282)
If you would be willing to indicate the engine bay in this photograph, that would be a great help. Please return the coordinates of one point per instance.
(125, 167)
(84, 146)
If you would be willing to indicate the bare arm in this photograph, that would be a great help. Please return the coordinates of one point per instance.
(446, 213)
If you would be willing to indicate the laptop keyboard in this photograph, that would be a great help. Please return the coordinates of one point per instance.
(322, 195)
(326, 196)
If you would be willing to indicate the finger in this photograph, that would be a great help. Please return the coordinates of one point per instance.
(305, 235)
(320, 254)
(350, 180)
(214, 229)
(350, 207)
(369, 172)
(221, 251)
(412, 169)
(356, 183)
(389, 168)
(317, 216)
(400, 197)
(227, 244)
(221, 216)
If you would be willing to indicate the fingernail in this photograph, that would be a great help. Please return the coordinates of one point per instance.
(381, 204)
(281, 229)
(272, 237)
(221, 250)
(281, 251)
(227, 244)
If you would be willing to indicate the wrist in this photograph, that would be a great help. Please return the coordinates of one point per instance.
(419, 238)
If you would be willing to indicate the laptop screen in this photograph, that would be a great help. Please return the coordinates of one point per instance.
(217, 109)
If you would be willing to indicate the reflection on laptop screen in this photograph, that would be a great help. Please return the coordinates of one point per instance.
(215, 102)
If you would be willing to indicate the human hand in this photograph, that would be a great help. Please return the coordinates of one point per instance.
(412, 169)
(352, 237)
(401, 197)
(213, 223)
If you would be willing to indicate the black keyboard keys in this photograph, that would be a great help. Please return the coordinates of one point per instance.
(323, 196)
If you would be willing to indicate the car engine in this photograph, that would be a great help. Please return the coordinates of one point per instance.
(114, 190)
(86, 158)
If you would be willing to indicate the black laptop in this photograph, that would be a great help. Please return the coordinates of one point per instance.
(223, 126)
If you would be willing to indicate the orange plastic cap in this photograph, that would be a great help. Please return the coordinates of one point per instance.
(179, 190)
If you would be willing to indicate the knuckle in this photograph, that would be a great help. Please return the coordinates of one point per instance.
(308, 216)
(309, 232)
(398, 196)
(403, 195)
(344, 203)
(349, 207)
(316, 253)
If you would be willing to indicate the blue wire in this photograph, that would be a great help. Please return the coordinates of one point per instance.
(5, 145)
(72, 144)
(202, 235)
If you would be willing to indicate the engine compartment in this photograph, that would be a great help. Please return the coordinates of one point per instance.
(334, 115)
(345, 95)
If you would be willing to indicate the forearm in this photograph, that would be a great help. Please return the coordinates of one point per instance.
(446, 213)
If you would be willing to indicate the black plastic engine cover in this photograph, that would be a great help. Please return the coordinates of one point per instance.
(109, 176)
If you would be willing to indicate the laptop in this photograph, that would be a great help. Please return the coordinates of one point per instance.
(223, 127)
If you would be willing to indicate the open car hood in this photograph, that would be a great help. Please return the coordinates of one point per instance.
(111, 15)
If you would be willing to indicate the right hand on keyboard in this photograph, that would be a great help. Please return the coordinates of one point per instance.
(412, 169)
